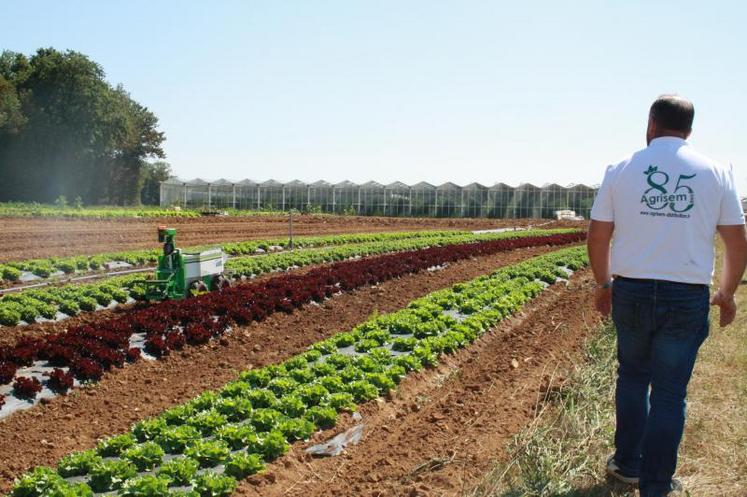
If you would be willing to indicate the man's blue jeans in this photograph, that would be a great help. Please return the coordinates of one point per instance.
(660, 326)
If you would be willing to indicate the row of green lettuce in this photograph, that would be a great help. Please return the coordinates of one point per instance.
(65, 210)
(203, 447)
(43, 268)
(34, 304)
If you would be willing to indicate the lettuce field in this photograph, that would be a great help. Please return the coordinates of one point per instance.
(419, 342)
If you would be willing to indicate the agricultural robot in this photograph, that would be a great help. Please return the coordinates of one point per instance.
(181, 275)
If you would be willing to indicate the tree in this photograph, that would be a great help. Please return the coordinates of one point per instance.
(153, 174)
(77, 136)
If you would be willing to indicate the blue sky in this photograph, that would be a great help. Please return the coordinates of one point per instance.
(438, 91)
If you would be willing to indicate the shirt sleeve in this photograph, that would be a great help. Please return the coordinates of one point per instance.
(731, 205)
(602, 208)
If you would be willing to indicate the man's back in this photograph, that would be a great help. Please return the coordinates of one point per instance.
(666, 201)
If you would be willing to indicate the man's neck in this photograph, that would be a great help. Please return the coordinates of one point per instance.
(671, 133)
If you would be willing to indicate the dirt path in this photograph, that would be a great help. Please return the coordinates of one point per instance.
(25, 238)
(444, 428)
(45, 433)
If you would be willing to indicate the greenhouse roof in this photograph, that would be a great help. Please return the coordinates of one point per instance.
(321, 183)
(345, 184)
(501, 186)
(397, 185)
(271, 182)
(296, 183)
(174, 180)
(424, 186)
(372, 184)
(448, 186)
(475, 186)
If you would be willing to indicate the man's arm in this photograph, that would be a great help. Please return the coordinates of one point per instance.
(735, 260)
(598, 246)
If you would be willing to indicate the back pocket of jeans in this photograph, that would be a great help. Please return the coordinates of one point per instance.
(684, 320)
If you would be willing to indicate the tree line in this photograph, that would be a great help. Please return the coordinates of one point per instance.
(66, 132)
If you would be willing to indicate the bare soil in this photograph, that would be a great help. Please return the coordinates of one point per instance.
(43, 434)
(26, 238)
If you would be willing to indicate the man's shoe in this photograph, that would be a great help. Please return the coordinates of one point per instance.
(677, 489)
(614, 471)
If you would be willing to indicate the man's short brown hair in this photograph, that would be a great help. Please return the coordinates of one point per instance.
(673, 112)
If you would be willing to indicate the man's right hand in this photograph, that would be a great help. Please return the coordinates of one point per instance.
(728, 306)
(603, 300)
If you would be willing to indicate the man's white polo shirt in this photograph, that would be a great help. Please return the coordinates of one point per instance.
(666, 201)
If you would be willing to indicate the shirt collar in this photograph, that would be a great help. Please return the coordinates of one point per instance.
(668, 140)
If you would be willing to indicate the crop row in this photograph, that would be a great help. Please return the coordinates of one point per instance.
(202, 447)
(34, 209)
(70, 299)
(88, 351)
(43, 268)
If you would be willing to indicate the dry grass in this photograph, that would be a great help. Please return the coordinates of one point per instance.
(561, 453)
(713, 458)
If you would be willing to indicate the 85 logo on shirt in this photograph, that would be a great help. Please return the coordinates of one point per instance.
(657, 197)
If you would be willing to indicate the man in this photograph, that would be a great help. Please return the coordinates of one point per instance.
(661, 208)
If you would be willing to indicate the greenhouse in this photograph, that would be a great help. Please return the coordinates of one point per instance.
(376, 199)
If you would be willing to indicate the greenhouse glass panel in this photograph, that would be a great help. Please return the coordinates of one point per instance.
(372, 200)
(320, 196)
(423, 199)
(246, 195)
(553, 198)
(221, 194)
(500, 197)
(474, 200)
(345, 198)
(526, 202)
(296, 195)
(271, 195)
(196, 194)
(448, 200)
(398, 199)
(172, 192)
(581, 198)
